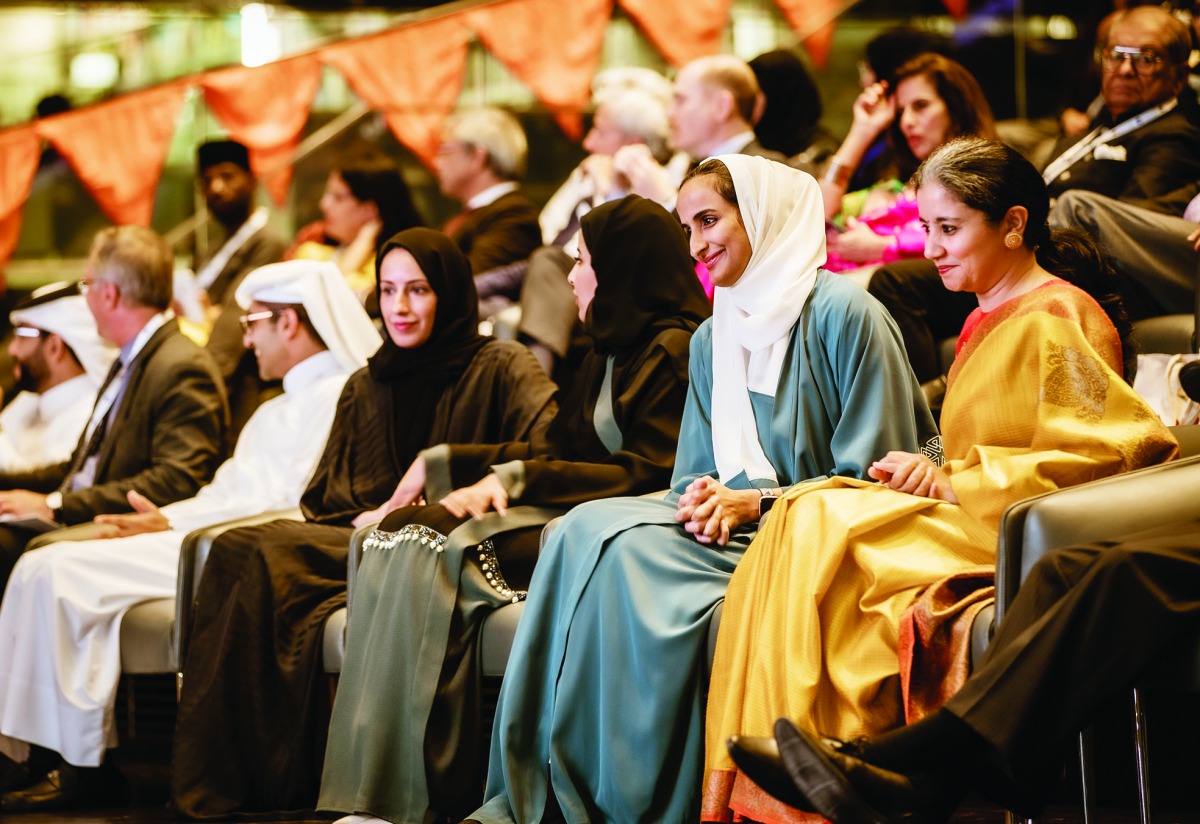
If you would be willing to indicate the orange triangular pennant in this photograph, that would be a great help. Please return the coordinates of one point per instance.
(266, 108)
(19, 150)
(681, 30)
(118, 148)
(413, 75)
(557, 69)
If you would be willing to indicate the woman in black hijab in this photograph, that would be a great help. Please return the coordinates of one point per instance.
(405, 738)
(255, 704)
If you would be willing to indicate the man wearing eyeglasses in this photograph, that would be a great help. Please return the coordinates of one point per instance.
(57, 684)
(160, 422)
(1141, 148)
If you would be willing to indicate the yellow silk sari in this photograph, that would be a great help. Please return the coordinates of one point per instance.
(809, 630)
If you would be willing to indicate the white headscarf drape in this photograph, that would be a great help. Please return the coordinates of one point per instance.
(330, 304)
(784, 217)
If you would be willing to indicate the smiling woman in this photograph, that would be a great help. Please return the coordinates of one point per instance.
(624, 591)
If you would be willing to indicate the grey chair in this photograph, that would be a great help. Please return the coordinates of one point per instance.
(1090, 512)
(154, 634)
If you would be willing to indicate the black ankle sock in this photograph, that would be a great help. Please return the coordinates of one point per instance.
(939, 742)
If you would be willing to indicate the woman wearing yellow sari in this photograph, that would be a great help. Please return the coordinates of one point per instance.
(1036, 401)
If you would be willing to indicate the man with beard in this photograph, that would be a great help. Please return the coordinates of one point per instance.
(228, 185)
(58, 364)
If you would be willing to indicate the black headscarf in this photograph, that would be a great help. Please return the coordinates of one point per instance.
(791, 118)
(645, 278)
(455, 339)
(408, 383)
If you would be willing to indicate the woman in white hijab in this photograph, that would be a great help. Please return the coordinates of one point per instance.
(798, 375)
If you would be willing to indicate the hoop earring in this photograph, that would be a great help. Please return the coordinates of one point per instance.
(1013, 239)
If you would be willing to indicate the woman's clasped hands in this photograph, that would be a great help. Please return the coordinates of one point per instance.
(711, 511)
(913, 473)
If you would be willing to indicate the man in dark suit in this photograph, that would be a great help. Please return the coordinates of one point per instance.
(712, 109)
(160, 421)
(481, 158)
(229, 185)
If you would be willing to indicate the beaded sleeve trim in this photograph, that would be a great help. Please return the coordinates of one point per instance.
(489, 564)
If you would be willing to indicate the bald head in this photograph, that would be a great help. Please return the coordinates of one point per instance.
(713, 99)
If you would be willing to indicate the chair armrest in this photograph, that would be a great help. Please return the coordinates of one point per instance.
(193, 554)
(1100, 510)
(79, 532)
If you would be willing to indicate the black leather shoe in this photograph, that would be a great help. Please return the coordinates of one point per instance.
(848, 790)
(68, 787)
(61, 789)
(758, 759)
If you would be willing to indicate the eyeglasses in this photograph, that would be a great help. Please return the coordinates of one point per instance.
(85, 284)
(1145, 63)
(28, 332)
(246, 320)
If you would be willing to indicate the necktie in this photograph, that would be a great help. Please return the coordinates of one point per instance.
(94, 439)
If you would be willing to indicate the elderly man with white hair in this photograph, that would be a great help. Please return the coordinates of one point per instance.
(61, 613)
(59, 362)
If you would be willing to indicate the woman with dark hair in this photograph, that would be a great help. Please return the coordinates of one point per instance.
(933, 99)
(788, 115)
(365, 200)
(797, 375)
(615, 434)
(254, 709)
(1036, 402)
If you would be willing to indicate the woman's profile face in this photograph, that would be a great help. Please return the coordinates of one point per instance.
(582, 278)
(924, 119)
(344, 214)
(958, 240)
(407, 303)
(716, 236)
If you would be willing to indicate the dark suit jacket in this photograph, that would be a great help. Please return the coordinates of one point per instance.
(165, 440)
(1159, 172)
(503, 232)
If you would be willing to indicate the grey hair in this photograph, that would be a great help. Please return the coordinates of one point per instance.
(138, 261)
(639, 114)
(495, 131)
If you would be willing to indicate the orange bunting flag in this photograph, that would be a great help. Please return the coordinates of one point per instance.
(266, 108)
(551, 46)
(681, 30)
(19, 151)
(118, 148)
(413, 75)
(813, 20)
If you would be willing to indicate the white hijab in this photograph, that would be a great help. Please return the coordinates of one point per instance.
(784, 217)
(330, 304)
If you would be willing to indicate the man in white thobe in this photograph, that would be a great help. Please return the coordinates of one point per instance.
(59, 363)
(61, 613)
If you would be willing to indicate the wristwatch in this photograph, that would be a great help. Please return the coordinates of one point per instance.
(54, 503)
(765, 503)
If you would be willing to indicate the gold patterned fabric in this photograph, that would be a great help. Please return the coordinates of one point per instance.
(809, 630)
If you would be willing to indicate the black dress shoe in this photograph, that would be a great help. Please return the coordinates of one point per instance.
(69, 787)
(61, 789)
(848, 790)
(758, 759)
